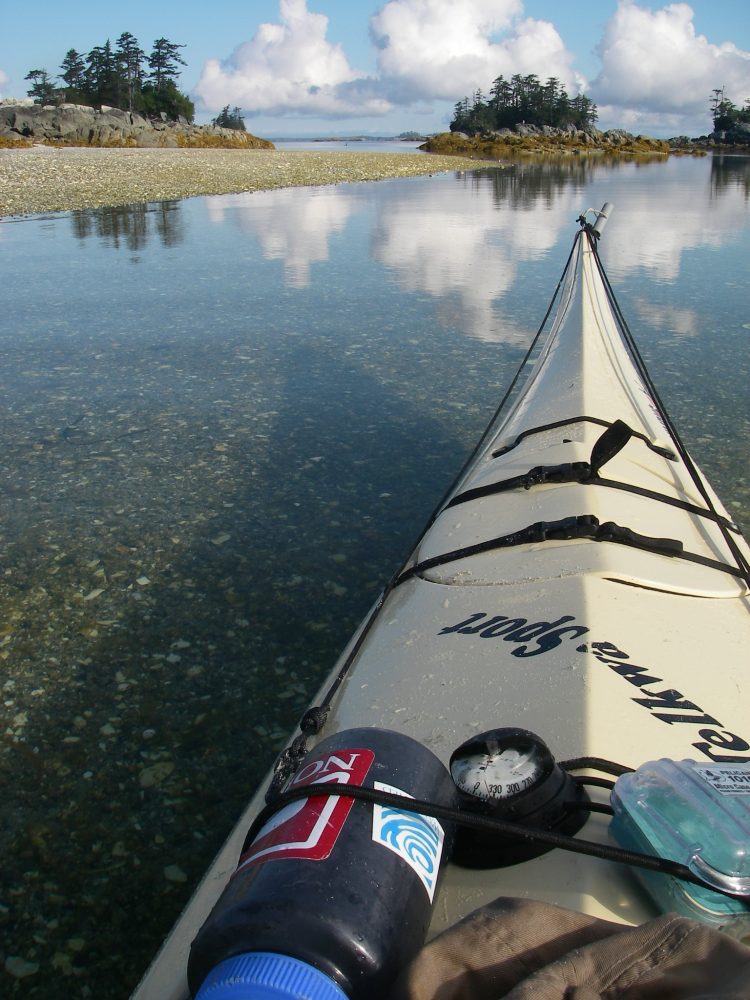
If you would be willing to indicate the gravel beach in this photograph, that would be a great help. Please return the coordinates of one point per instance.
(44, 179)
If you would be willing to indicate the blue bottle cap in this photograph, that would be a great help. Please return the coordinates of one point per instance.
(262, 975)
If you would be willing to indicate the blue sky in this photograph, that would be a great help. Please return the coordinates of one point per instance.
(300, 67)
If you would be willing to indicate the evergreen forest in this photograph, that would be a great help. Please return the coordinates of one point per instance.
(119, 76)
(725, 114)
(230, 119)
(522, 100)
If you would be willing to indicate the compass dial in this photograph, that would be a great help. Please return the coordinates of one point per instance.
(499, 774)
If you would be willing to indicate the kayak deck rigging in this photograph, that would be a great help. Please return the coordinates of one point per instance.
(664, 452)
(635, 412)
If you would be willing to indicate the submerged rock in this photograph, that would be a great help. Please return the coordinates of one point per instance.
(19, 968)
(152, 776)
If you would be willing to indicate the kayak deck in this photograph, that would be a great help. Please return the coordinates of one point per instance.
(602, 647)
(525, 607)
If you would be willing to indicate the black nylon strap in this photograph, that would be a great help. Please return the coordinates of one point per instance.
(579, 473)
(709, 515)
(664, 452)
(585, 526)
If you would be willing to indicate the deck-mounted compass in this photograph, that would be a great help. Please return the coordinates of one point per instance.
(510, 774)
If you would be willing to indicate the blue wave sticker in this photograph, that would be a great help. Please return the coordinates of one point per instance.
(417, 839)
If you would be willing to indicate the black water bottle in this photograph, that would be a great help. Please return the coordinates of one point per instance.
(334, 895)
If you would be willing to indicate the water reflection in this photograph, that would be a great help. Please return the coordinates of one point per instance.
(131, 227)
(677, 321)
(460, 253)
(467, 254)
(296, 230)
(521, 185)
(730, 171)
(655, 233)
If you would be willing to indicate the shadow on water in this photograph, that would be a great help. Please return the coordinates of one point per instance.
(200, 578)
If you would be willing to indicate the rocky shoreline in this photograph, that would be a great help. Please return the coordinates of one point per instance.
(617, 142)
(80, 125)
(23, 124)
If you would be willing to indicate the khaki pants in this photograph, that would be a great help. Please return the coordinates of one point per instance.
(518, 949)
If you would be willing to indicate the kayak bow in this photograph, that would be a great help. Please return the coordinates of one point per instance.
(581, 579)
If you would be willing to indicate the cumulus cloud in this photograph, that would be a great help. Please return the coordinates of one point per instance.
(440, 49)
(427, 50)
(288, 68)
(3, 80)
(657, 70)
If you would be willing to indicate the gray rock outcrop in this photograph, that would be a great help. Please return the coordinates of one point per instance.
(76, 124)
(735, 139)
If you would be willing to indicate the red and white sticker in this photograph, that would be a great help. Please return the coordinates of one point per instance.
(310, 827)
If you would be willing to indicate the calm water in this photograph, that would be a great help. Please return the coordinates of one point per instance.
(223, 423)
(351, 145)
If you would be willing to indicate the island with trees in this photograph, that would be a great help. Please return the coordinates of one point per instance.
(523, 100)
(524, 115)
(118, 95)
(726, 116)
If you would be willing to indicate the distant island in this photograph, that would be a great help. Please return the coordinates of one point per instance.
(536, 140)
(523, 115)
(541, 140)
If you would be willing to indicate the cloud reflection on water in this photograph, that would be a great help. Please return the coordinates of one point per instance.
(467, 253)
(679, 321)
(290, 225)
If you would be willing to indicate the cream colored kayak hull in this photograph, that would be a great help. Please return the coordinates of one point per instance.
(601, 648)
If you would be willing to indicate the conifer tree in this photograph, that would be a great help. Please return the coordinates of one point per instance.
(42, 89)
(101, 76)
(130, 57)
(73, 74)
(115, 77)
(163, 62)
